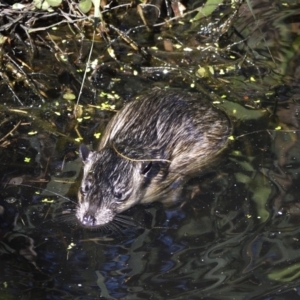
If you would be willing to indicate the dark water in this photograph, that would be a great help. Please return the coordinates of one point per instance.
(237, 238)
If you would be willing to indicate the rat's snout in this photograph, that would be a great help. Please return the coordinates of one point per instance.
(88, 220)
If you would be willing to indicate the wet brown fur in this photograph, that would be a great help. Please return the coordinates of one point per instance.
(148, 150)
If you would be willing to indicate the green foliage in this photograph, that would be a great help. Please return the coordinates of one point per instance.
(46, 4)
(85, 5)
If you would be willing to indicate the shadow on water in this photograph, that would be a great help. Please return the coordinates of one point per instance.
(236, 236)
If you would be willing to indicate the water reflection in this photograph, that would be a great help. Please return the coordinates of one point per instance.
(237, 238)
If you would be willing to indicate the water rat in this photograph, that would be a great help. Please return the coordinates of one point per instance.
(149, 148)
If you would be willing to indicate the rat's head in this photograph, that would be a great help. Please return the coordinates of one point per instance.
(110, 184)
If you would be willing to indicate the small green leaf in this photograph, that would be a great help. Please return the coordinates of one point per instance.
(45, 200)
(85, 5)
(18, 6)
(32, 132)
(54, 2)
(286, 274)
(41, 4)
(2, 39)
(69, 96)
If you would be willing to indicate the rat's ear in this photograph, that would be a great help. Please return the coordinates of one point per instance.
(84, 153)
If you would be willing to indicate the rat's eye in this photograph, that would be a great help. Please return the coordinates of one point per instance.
(118, 195)
(84, 189)
(146, 167)
(86, 186)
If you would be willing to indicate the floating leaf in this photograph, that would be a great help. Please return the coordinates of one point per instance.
(32, 132)
(202, 72)
(18, 6)
(240, 177)
(78, 111)
(41, 4)
(69, 96)
(45, 200)
(54, 2)
(288, 274)
(106, 105)
(85, 5)
(2, 39)
(207, 9)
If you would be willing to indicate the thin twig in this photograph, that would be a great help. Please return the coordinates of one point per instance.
(15, 127)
